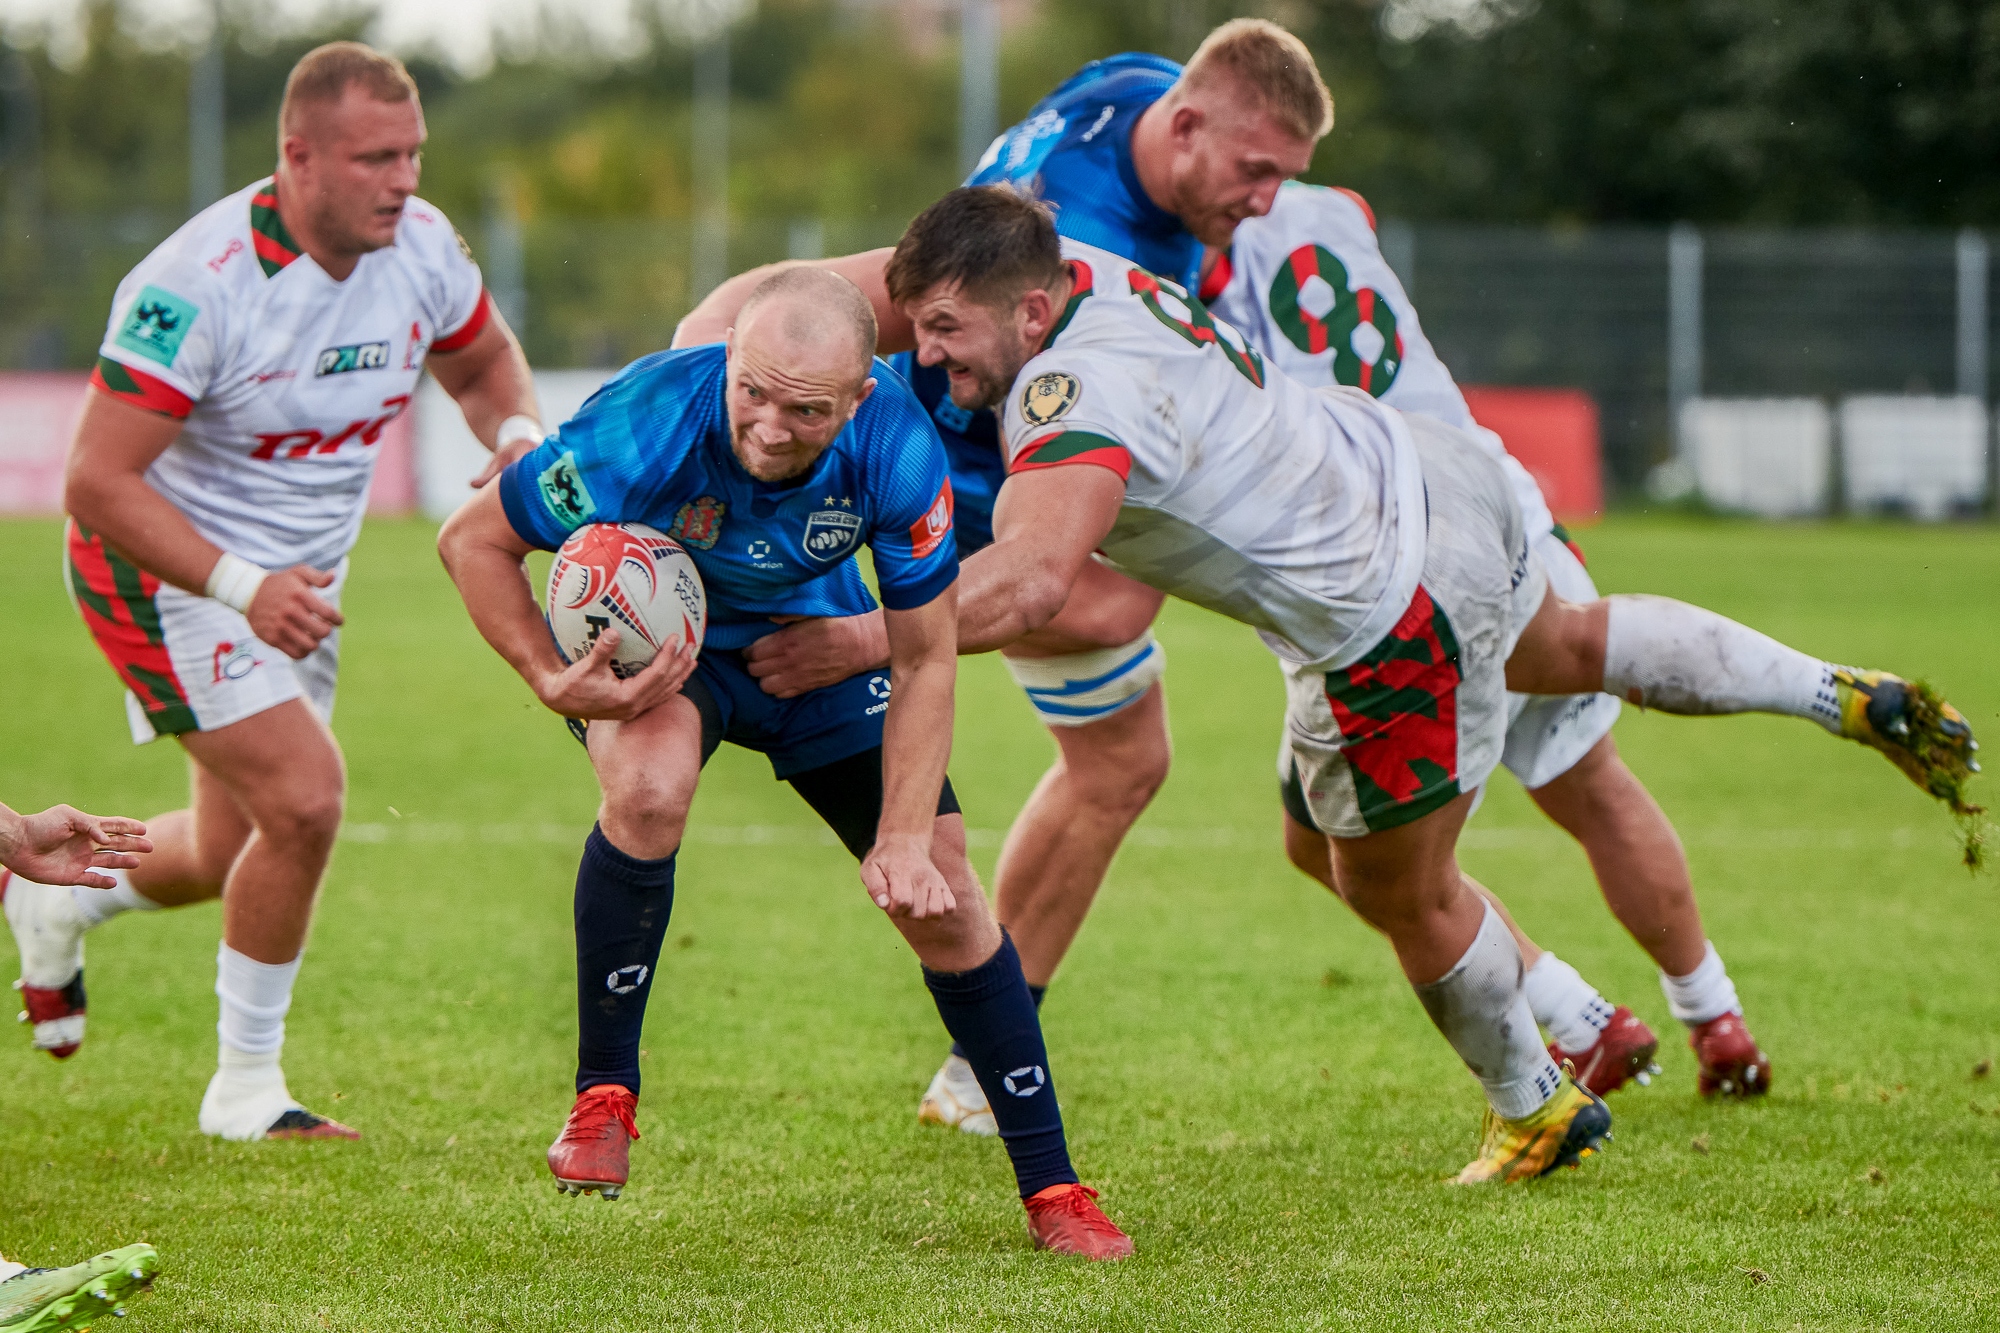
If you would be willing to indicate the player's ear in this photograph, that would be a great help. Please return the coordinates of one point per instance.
(867, 387)
(1186, 123)
(1035, 315)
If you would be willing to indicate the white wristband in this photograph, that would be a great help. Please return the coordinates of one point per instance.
(520, 426)
(234, 581)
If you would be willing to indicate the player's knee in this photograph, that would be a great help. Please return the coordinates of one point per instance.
(644, 819)
(307, 819)
(1122, 779)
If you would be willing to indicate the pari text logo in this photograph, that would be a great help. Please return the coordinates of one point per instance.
(355, 356)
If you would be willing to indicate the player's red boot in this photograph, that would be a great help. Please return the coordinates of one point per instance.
(593, 1150)
(1066, 1220)
(1622, 1052)
(1731, 1062)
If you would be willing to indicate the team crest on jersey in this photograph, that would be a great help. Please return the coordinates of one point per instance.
(832, 534)
(158, 324)
(564, 491)
(699, 522)
(1049, 396)
(355, 356)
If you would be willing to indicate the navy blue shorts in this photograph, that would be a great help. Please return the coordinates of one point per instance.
(796, 735)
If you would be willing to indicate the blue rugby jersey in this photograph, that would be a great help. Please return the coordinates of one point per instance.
(652, 446)
(1075, 150)
(971, 445)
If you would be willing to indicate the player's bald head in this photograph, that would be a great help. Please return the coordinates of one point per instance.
(817, 312)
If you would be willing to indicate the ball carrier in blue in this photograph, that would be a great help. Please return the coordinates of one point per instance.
(773, 458)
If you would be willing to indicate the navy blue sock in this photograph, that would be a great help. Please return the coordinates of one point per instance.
(991, 1014)
(622, 908)
(1035, 993)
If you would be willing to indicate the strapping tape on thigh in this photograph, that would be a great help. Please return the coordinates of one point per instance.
(1077, 689)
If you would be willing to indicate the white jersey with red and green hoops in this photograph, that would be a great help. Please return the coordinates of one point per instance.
(283, 377)
(1309, 287)
(1294, 510)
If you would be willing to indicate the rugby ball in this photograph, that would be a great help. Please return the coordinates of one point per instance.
(629, 576)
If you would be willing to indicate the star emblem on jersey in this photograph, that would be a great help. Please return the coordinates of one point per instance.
(1049, 396)
(832, 534)
(698, 523)
(627, 979)
(1026, 1081)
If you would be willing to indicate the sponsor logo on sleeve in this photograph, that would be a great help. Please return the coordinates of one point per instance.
(564, 492)
(929, 531)
(355, 356)
(157, 325)
(699, 523)
(1049, 396)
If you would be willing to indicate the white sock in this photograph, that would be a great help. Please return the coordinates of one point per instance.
(1664, 654)
(1704, 994)
(1480, 1008)
(1567, 1005)
(97, 906)
(254, 999)
(8, 1268)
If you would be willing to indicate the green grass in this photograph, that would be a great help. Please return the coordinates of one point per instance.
(1243, 1071)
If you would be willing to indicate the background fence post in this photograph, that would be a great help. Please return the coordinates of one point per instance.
(978, 80)
(1684, 273)
(711, 163)
(1972, 260)
(206, 121)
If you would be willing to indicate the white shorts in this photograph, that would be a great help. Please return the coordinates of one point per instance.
(1548, 734)
(189, 663)
(1422, 718)
(1076, 689)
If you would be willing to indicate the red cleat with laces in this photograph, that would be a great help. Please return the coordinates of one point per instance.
(593, 1149)
(1731, 1061)
(1622, 1052)
(1065, 1219)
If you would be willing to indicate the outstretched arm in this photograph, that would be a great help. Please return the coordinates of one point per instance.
(483, 554)
(916, 746)
(63, 845)
(716, 315)
(1046, 523)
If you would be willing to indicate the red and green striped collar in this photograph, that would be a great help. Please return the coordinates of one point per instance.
(274, 244)
(1080, 280)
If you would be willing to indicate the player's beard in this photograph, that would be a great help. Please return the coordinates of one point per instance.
(335, 230)
(992, 383)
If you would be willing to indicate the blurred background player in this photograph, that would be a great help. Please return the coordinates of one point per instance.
(1385, 561)
(1308, 286)
(753, 454)
(216, 484)
(1148, 160)
(64, 846)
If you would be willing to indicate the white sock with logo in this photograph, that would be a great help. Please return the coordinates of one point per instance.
(1704, 994)
(1482, 1011)
(248, 1093)
(97, 906)
(1664, 654)
(1567, 1005)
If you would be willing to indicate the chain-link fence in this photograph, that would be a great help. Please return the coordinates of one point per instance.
(1759, 313)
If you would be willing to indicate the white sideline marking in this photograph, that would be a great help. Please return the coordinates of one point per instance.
(806, 835)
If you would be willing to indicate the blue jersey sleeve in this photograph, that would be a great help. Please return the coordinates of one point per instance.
(916, 557)
(607, 463)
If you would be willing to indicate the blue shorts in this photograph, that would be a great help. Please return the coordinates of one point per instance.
(817, 728)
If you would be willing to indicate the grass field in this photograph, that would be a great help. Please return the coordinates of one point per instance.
(1244, 1073)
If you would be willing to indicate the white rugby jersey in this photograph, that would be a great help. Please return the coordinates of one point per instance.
(1294, 510)
(284, 378)
(1308, 286)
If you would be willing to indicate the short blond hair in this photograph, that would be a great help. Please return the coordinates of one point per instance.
(323, 74)
(1262, 58)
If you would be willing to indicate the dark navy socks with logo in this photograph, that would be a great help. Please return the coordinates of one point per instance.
(991, 1015)
(622, 908)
